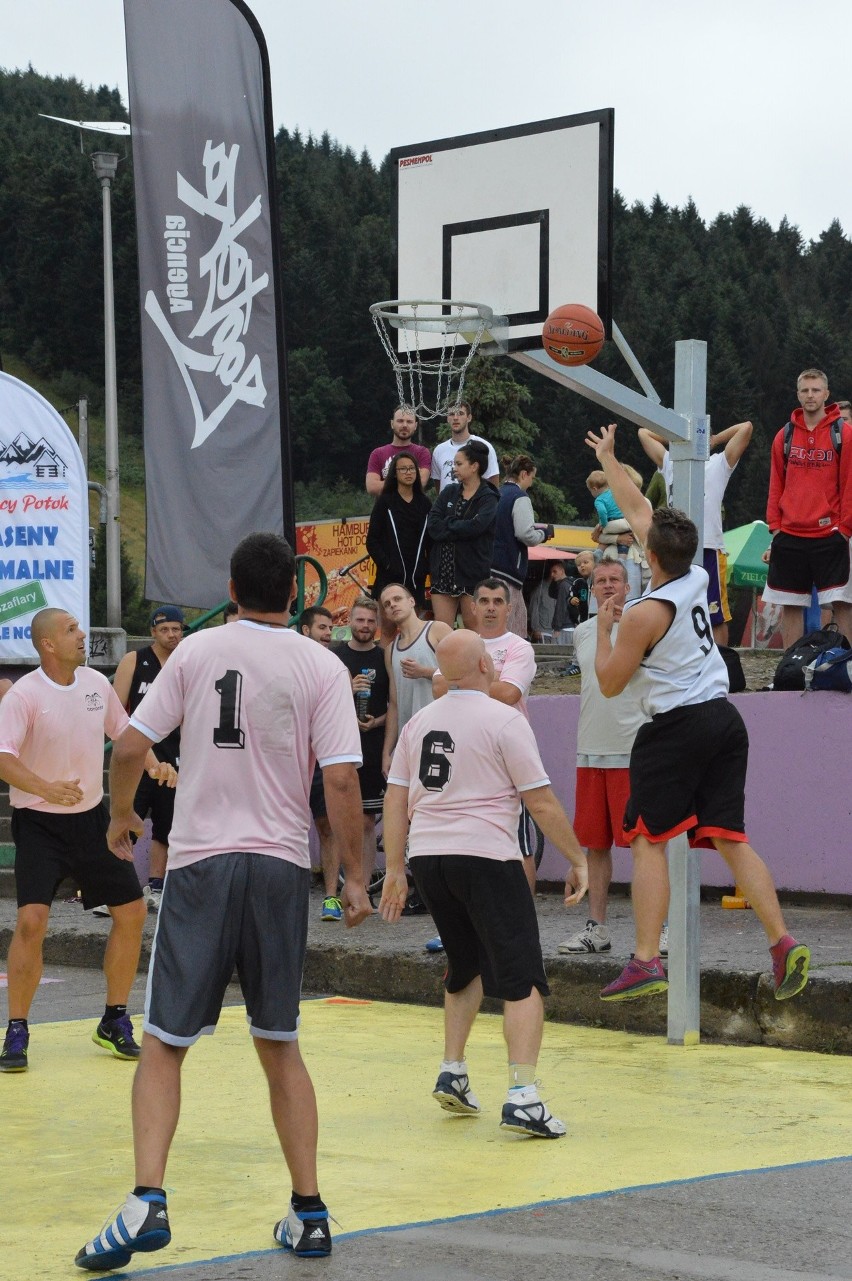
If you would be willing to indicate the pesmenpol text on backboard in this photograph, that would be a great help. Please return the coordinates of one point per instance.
(517, 218)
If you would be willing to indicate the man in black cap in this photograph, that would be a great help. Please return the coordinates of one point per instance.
(134, 675)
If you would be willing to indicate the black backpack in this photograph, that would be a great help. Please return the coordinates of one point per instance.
(836, 438)
(736, 675)
(790, 672)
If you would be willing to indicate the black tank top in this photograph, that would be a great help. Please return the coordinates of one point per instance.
(148, 668)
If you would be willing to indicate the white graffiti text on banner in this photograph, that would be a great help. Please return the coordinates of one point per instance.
(231, 289)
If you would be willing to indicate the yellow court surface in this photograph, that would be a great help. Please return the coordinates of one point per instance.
(638, 1112)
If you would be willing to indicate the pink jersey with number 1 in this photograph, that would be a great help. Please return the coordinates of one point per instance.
(257, 706)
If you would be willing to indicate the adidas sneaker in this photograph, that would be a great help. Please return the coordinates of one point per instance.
(141, 1224)
(305, 1232)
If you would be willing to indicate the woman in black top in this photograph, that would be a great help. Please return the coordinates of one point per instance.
(397, 539)
(461, 524)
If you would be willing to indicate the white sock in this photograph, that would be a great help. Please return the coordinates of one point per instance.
(523, 1094)
(457, 1066)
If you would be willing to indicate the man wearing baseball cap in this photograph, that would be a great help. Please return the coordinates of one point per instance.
(134, 676)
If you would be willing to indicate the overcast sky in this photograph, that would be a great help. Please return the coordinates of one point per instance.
(728, 101)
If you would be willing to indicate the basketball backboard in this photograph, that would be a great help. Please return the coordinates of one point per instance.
(519, 219)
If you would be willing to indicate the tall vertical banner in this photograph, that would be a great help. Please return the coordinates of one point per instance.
(216, 440)
(44, 518)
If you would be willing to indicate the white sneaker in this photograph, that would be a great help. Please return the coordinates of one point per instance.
(594, 938)
(664, 940)
(528, 1114)
(152, 898)
(103, 910)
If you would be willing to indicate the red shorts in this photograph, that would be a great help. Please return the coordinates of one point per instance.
(599, 808)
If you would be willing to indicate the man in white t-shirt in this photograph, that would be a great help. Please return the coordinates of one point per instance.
(458, 771)
(717, 472)
(257, 705)
(605, 734)
(52, 727)
(459, 419)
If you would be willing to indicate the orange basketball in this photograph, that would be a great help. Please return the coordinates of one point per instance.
(573, 334)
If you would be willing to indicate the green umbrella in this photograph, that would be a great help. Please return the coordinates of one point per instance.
(745, 547)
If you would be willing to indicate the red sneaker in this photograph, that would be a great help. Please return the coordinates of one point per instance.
(790, 961)
(638, 978)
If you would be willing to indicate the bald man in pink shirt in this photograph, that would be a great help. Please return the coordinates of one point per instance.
(457, 775)
(52, 727)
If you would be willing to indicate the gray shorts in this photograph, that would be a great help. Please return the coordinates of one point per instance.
(240, 911)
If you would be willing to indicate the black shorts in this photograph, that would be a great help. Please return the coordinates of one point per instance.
(796, 565)
(158, 801)
(687, 774)
(486, 918)
(240, 911)
(371, 780)
(49, 847)
(316, 798)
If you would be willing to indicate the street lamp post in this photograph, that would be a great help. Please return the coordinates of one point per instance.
(105, 164)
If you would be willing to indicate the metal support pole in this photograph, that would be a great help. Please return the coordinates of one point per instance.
(105, 165)
(684, 998)
(690, 455)
(634, 365)
(83, 432)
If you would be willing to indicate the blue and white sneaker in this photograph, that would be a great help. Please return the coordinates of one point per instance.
(454, 1094)
(435, 944)
(13, 1056)
(526, 1113)
(305, 1232)
(141, 1224)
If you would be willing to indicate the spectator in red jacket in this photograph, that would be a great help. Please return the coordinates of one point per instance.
(810, 511)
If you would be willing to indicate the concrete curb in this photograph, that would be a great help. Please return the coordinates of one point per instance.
(737, 1007)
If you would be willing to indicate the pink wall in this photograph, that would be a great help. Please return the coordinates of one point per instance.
(798, 793)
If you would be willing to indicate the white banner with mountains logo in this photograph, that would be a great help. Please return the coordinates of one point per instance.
(216, 444)
(44, 518)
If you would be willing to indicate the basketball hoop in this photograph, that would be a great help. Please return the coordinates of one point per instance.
(430, 344)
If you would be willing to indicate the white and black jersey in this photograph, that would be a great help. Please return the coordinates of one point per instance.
(685, 666)
(146, 671)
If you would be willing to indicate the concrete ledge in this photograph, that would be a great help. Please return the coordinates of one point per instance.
(388, 963)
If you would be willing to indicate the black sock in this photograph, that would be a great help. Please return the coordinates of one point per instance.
(142, 1190)
(304, 1204)
(18, 1023)
(113, 1012)
(155, 882)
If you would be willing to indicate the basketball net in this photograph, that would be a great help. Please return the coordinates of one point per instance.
(431, 380)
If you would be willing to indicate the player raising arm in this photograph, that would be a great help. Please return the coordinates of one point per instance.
(688, 763)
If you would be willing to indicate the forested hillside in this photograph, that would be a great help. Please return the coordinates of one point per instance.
(767, 304)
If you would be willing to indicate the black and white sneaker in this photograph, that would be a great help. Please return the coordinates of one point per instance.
(141, 1224)
(593, 938)
(529, 1115)
(305, 1232)
(454, 1094)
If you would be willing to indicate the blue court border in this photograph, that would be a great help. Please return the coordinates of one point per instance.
(509, 1209)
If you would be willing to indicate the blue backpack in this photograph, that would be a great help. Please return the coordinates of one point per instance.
(831, 670)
